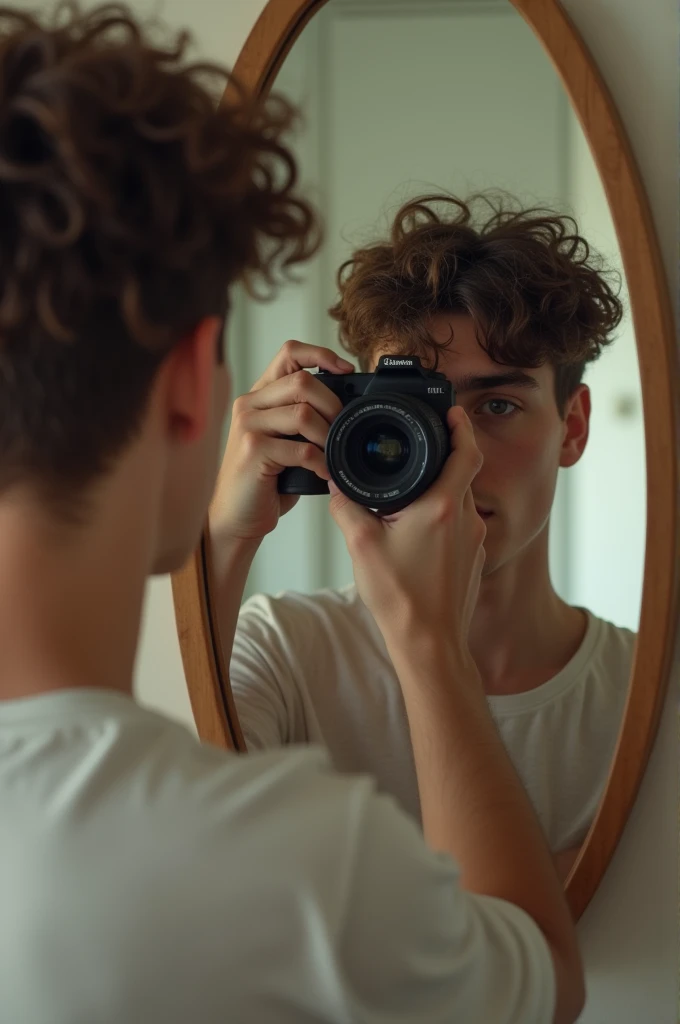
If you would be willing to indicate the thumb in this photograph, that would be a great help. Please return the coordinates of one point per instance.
(350, 517)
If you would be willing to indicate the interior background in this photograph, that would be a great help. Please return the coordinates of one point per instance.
(402, 97)
(629, 933)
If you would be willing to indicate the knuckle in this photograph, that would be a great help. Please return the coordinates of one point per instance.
(302, 381)
(251, 443)
(239, 407)
(307, 452)
(304, 414)
(288, 348)
(444, 508)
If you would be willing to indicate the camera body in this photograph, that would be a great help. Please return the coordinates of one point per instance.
(391, 439)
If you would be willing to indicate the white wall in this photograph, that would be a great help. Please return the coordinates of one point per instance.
(607, 487)
(629, 934)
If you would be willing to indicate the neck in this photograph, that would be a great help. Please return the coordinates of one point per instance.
(70, 598)
(522, 633)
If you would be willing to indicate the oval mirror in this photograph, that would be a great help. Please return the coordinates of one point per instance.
(578, 603)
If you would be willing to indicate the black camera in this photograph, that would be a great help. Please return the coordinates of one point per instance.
(391, 439)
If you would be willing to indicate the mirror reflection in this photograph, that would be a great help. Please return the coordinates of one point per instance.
(466, 225)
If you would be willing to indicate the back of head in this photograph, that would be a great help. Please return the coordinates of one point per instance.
(130, 201)
(536, 291)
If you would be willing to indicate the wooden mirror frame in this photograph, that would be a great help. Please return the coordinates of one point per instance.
(267, 46)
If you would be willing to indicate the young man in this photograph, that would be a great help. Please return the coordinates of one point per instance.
(511, 305)
(144, 877)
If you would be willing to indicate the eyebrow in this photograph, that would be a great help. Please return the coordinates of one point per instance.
(482, 382)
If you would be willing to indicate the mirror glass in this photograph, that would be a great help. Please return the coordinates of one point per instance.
(402, 98)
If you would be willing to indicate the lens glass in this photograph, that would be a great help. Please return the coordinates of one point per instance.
(385, 449)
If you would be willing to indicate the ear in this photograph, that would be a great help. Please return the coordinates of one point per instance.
(576, 426)
(189, 372)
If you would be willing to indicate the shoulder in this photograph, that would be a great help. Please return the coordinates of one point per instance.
(299, 617)
(264, 837)
(312, 861)
(606, 660)
(614, 645)
(226, 806)
(289, 604)
(275, 851)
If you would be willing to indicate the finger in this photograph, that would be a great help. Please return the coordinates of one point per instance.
(296, 389)
(359, 526)
(469, 503)
(296, 355)
(465, 460)
(288, 420)
(470, 508)
(273, 454)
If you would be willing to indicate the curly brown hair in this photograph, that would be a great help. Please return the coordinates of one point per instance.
(536, 291)
(130, 200)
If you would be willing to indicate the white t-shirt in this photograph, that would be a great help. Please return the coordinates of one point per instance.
(147, 879)
(315, 669)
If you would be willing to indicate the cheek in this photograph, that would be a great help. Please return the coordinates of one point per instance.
(525, 466)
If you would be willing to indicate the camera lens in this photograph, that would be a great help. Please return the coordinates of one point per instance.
(386, 450)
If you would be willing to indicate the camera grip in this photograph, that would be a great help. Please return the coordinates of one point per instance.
(296, 480)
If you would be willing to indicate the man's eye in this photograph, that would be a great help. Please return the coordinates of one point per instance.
(500, 407)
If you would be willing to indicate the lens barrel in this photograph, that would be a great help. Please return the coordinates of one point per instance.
(385, 451)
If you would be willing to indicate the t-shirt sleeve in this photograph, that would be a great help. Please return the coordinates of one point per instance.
(418, 947)
(261, 679)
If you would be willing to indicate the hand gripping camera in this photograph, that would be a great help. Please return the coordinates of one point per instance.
(391, 439)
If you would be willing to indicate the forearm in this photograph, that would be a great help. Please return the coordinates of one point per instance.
(230, 564)
(473, 804)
